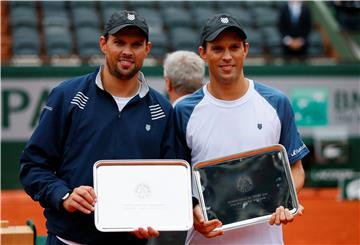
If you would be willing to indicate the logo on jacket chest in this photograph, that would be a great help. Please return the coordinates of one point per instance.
(147, 127)
(259, 126)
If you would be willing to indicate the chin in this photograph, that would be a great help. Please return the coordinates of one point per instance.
(228, 78)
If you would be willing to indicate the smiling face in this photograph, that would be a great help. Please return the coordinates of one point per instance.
(125, 52)
(225, 56)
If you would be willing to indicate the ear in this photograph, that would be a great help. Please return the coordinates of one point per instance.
(202, 53)
(168, 84)
(102, 43)
(246, 48)
(148, 48)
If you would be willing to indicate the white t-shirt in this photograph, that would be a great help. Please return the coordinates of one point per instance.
(211, 128)
(122, 101)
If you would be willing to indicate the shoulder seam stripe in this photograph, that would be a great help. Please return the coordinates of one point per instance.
(79, 101)
(83, 95)
(75, 103)
(155, 118)
(80, 97)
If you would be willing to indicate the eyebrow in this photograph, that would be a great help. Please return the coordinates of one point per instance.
(121, 39)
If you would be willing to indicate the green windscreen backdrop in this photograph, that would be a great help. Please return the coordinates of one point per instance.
(310, 106)
(326, 102)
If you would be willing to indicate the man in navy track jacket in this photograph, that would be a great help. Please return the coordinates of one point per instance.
(109, 114)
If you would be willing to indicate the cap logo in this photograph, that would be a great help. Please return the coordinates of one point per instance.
(131, 17)
(224, 20)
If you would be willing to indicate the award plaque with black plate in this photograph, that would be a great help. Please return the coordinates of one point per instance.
(246, 188)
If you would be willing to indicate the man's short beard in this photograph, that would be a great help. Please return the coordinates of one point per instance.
(118, 74)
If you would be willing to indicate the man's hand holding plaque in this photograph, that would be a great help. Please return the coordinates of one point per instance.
(283, 216)
(148, 233)
(206, 227)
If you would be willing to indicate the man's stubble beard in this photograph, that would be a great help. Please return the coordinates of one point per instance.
(116, 72)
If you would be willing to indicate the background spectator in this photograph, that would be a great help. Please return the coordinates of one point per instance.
(295, 27)
(184, 72)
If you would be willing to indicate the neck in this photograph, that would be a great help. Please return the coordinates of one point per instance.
(118, 87)
(174, 96)
(229, 90)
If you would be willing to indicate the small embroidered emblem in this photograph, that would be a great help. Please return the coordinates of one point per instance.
(131, 17)
(259, 125)
(224, 20)
(147, 127)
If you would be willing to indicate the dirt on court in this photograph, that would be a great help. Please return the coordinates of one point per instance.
(326, 220)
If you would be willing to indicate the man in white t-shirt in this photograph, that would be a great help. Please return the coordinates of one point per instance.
(232, 114)
(184, 72)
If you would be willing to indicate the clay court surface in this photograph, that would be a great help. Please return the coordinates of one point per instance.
(326, 220)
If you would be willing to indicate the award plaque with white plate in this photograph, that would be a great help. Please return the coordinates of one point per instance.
(141, 193)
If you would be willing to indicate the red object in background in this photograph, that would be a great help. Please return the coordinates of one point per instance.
(326, 220)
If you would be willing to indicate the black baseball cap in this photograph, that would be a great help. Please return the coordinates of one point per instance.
(216, 24)
(124, 18)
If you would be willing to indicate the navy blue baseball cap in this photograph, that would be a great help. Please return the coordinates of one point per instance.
(218, 23)
(124, 18)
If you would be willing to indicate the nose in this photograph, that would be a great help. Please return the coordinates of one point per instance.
(227, 55)
(127, 51)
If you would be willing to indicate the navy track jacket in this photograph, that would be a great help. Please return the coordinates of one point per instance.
(80, 125)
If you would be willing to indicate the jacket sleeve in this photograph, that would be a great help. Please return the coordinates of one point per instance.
(283, 21)
(43, 153)
(182, 149)
(168, 140)
(306, 22)
(290, 137)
